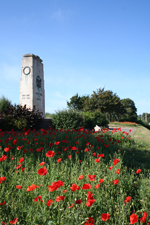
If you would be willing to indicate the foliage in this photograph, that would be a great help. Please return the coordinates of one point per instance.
(67, 119)
(91, 119)
(131, 110)
(48, 115)
(4, 104)
(19, 117)
(77, 102)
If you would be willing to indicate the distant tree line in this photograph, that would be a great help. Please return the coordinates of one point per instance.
(107, 103)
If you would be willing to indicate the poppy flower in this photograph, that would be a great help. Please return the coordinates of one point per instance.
(6, 149)
(86, 186)
(74, 187)
(115, 161)
(80, 177)
(90, 221)
(49, 202)
(50, 153)
(90, 202)
(15, 142)
(133, 218)
(70, 206)
(58, 198)
(138, 171)
(100, 155)
(97, 160)
(58, 160)
(127, 199)
(91, 177)
(14, 221)
(73, 148)
(57, 143)
(2, 179)
(42, 164)
(42, 171)
(3, 203)
(118, 171)
(78, 201)
(105, 216)
(19, 186)
(21, 160)
(143, 219)
(38, 198)
(110, 167)
(32, 187)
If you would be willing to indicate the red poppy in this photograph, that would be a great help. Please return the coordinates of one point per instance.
(58, 160)
(70, 206)
(118, 171)
(90, 221)
(73, 148)
(21, 160)
(42, 164)
(90, 202)
(50, 153)
(91, 177)
(110, 167)
(80, 177)
(115, 161)
(78, 201)
(101, 181)
(127, 199)
(86, 186)
(14, 221)
(3, 203)
(143, 219)
(42, 171)
(105, 216)
(97, 160)
(58, 198)
(115, 182)
(57, 143)
(38, 198)
(6, 149)
(3, 158)
(49, 202)
(133, 218)
(18, 167)
(32, 187)
(19, 186)
(100, 155)
(74, 187)
(138, 171)
(15, 142)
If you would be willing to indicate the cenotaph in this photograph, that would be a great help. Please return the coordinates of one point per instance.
(32, 91)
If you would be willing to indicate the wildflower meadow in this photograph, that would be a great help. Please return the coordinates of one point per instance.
(76, 177)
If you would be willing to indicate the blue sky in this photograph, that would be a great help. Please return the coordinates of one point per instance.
(84, 44)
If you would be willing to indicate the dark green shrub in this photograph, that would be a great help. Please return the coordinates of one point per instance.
(18, 117)
(67, 119)
(88, 120)
(145, 124)
(91, 119)
(100, 119)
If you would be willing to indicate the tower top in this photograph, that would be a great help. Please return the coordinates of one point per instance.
(34, 56)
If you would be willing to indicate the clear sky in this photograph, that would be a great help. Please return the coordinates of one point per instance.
(84, 44)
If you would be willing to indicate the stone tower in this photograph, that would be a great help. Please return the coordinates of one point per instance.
(32, 83)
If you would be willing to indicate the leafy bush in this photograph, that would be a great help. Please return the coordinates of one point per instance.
(67, 119)
(4, 104)
(91, 119)
(18, 117)
(143, 124)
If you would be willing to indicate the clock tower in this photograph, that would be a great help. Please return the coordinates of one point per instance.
(32, 83)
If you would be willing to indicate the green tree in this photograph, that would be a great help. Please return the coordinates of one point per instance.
(77, 102)
(106, 102)
(131, 110)
(4, 104)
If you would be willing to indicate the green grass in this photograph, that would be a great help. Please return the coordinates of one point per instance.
(109, 197)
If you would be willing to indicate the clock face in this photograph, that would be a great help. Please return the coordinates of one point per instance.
(26, 70)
